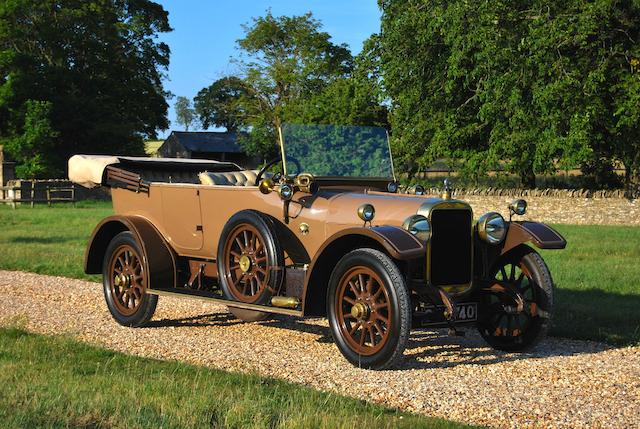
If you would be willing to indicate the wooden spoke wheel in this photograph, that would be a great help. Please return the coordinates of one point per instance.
(507, 323)
(125, 282)
(127, 279)
(369, 309)
(250, 262)
(364, 311)
(247, 272)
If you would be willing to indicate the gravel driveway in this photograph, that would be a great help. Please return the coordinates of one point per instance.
(565, 383)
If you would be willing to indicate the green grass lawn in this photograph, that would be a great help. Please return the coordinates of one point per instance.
(57, 382)
(598, 283)
(49, 240)
(597, 276)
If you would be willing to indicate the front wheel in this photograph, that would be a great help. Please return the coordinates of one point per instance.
(124, 282)
(500, 323)
(250, 262)
(369, 309)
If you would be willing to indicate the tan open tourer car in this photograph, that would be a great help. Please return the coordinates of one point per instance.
(322, 230)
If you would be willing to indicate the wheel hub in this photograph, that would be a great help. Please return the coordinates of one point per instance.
(245, 263)
(122, 280)
(360, 311)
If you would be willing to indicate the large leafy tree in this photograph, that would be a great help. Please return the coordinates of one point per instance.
(353, 99)
(529, 86)
(95, 63)
(283, 60)
(221, 103)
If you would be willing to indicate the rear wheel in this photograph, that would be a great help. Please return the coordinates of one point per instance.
(250, 263)
(500, 323)
(369, 309)
(125, 282)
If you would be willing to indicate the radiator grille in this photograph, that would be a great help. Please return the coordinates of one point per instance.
(450, 253)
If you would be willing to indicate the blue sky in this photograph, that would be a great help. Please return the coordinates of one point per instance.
(204, 34)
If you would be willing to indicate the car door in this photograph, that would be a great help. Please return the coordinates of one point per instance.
(182, 216)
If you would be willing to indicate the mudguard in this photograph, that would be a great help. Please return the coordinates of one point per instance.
(540, 234)
(159, 259)
(396, 241)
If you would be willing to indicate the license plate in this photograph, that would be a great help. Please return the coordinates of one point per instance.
(466, 312)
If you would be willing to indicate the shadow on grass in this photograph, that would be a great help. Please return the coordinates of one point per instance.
(593, 314)
(38, 240)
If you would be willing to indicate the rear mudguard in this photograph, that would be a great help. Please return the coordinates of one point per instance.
(540, 234)
(159, 260)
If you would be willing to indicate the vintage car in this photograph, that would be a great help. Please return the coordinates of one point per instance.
(327, 233)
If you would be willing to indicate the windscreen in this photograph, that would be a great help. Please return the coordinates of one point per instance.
(337, 151)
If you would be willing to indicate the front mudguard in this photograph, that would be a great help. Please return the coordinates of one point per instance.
(540, 234)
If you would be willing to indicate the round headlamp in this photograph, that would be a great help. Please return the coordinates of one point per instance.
(366, 212)
(416, 190)
(492, 228)
(518, 207)
(418, 226)
(286, 192)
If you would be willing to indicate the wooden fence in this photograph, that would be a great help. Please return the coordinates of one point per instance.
(52, 194)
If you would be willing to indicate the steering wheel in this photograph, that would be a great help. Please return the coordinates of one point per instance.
(273, 162)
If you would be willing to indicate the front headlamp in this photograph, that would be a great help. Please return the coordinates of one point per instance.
(518, 207)
(366, 212)
(418, 226)
(492, 228)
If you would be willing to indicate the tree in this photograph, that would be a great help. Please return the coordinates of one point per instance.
(530, 87)
(292, 72)
(354, 99)
(284, 60)
(185, 115)
(32, 148)
(220, 104)
(95, 62)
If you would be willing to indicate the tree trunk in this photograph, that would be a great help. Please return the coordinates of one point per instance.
(528, 179)
(632, 181)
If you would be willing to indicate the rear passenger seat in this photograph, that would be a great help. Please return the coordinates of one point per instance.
(234, 178)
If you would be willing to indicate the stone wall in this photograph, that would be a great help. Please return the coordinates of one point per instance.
(559, 193)
(561, 209)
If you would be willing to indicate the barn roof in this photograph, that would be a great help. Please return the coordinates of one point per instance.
(207, 141)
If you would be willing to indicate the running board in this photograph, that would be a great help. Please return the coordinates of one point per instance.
(201, 296)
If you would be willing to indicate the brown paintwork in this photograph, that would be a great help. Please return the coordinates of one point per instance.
(159, 260)
(186, 220)
(541, 235)
(325, 215)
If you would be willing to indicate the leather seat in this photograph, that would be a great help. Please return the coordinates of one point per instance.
(233, 178)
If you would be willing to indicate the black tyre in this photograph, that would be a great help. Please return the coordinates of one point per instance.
(124, 282)
(369, 309)
(250, 262)
(525, 270)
